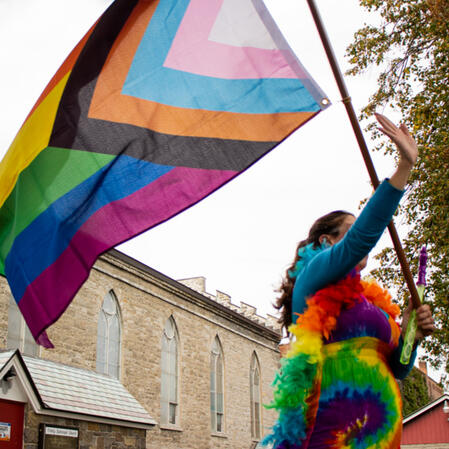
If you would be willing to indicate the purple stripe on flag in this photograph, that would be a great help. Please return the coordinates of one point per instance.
(118, 221)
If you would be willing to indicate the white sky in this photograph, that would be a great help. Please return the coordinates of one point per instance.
(242, 237)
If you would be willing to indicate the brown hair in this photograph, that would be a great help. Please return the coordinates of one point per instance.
(327, 224)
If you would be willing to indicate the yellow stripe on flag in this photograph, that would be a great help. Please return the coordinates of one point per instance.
(32, 138)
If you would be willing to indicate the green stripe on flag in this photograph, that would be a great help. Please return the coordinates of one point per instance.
(53, 173)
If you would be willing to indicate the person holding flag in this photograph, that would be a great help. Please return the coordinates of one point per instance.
(336, 387)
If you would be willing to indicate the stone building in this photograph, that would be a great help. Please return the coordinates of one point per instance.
(191, 369)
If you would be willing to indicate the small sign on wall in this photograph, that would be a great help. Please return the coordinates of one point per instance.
(5, 431)
(58, 437)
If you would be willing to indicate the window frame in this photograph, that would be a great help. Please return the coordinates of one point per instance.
(104, 366)
(173, 341)
(255, 406)
(217, 395)
(25, 338)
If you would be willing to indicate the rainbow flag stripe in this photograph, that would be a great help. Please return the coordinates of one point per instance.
(160, 104)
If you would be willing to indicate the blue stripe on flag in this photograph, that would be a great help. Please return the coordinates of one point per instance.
(186, 90)
(44, 240)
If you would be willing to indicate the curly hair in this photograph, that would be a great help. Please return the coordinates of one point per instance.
(327, 224)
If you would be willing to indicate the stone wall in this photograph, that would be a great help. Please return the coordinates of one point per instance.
(91, 435)
(147, 299)
(4, 303)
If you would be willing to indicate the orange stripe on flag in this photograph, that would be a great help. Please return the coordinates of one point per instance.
(109, 104)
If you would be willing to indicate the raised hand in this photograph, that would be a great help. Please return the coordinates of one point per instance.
(407, 148)
(401, 137)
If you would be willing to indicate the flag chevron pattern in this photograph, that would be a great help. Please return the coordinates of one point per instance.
(161, 103)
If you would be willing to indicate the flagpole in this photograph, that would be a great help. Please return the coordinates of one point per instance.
(363, 147)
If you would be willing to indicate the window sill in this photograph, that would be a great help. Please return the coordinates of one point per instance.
(219, 435)
(173, 427)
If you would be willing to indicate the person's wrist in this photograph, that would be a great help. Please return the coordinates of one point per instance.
(406, 165)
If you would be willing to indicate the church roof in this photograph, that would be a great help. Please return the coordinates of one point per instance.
(62, 390)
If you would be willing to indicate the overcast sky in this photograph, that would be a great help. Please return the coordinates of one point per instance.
(242, 237)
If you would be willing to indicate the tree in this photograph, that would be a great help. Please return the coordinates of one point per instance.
(414, 392)
(411, 49)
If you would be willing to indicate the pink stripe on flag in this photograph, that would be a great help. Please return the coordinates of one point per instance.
(105, 229)
(193, 52)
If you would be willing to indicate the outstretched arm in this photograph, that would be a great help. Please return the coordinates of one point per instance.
(333, 264)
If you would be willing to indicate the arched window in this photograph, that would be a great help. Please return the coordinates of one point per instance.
(169, 374)
(109, 337)
(256, 408)
(216, 387)
(19, 336)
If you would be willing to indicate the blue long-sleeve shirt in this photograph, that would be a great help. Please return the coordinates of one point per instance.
(335, 262)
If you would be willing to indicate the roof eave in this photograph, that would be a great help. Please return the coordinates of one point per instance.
(40, 408)
(424, 409)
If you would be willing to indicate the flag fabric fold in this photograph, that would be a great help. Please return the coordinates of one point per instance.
(161, 103)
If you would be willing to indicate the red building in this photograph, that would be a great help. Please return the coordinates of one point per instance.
(428, 427)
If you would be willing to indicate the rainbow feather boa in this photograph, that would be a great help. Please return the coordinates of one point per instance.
(297, 384)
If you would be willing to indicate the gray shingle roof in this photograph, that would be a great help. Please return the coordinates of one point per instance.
(75, 390)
